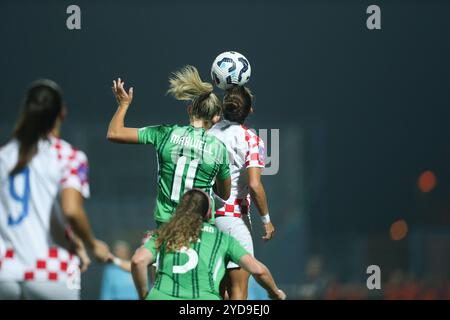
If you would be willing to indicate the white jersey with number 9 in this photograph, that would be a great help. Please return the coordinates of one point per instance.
(31, 224)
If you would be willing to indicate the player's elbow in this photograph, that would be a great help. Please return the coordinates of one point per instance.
(71, 210)
(140, 259)
(112, 135)
(253, 266)
(259, 271)
(137, 261)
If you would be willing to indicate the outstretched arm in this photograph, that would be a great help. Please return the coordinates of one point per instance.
(117, 132)
(258, 196)
(262, 275)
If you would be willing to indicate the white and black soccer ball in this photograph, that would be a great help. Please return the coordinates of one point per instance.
(230, 69)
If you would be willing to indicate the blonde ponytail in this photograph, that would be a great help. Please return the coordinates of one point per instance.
(187, 85)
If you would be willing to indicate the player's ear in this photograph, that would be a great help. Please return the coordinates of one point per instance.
(215, 119)
(63, 113)
(189, 110)
(209, 212)
(251, 110)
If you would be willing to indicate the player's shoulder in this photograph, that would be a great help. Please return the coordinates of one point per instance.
(225, 127)
(217, 140)
(67, 151)
(230, 129)
(160, 127)
(221, 126)
(8, 154)
(168, 127)
(174, 129)
(10, 146)
(211, 137)
(250, 132)
(251, 137)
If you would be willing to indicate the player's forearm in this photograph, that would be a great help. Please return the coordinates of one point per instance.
(123, 264)
(81, 226)
(126, 265)
(117, 124)
(139, 273)
(260, 272)
(258, 196)
(265, 279)
(73, 238)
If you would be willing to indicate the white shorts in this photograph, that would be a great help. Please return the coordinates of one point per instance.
(239, 228)
(37, 290)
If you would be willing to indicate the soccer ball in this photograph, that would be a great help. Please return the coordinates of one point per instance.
(230, 69)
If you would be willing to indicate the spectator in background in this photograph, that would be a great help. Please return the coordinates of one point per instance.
(316, 283)
(117, 284)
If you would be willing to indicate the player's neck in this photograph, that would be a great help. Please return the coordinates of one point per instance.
(198, 123)
(55, 132)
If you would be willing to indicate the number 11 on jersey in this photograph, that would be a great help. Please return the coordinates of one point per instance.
(179, 177)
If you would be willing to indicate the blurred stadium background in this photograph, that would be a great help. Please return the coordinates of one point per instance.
(363, 116)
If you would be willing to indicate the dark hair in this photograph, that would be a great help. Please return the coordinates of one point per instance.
(237, 104)
(186, 223)
(42, 106)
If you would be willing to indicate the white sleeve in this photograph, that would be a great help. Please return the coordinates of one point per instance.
(255, 153)
(76, 173)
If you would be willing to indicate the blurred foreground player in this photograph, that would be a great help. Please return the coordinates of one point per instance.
(192, 256)
(43, 180)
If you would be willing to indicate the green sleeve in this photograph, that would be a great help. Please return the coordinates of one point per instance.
(235, 250)
(150, 245)
(224, 169)
(153, 134)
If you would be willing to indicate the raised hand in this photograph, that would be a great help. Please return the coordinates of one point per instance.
(123, 98)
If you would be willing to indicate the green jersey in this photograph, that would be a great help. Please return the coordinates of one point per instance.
(188, 158)
(195, 272)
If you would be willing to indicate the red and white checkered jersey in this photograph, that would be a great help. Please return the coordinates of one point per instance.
(32, 242)
(245, 150)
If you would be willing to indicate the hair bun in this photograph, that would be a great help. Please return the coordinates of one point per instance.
(237, 104)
